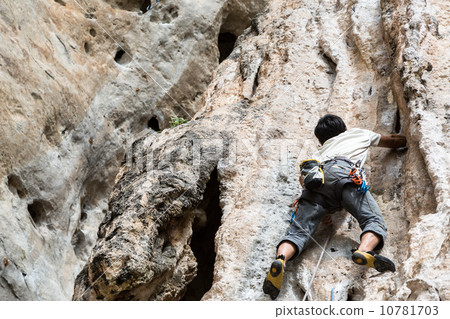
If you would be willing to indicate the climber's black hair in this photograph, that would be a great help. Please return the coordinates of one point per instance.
(329, 126)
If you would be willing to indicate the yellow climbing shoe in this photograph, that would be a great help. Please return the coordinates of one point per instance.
(372, 260)
(274, 278)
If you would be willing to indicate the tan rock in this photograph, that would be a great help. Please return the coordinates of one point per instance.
(380, 65)
(297, 62)
(79, 81)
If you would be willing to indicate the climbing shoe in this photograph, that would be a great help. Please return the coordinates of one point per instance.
(370, 259)
(274, 278)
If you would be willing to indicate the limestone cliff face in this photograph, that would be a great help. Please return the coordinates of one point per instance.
(79, 80)
(196, 210)
(377, 64)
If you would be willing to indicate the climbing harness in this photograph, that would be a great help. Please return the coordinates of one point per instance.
(317, 267)
(313, 177)
(358, 177)
(295, 211)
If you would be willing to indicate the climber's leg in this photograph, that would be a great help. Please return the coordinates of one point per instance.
(365, 209)
(369, 241)
(305, 223)
(287, 249)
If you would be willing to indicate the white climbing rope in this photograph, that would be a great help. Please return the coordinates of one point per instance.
(317, 267)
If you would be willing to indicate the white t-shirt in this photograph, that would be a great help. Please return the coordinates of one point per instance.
(352, 144)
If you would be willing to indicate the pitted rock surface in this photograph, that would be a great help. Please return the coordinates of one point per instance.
(77, 151)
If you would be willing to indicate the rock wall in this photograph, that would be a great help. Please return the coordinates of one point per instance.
(85, 86)
(381, 66)
(79, 81)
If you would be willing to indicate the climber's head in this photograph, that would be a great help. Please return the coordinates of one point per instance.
(329, 126)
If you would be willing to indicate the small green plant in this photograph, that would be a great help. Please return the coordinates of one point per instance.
(175, 121)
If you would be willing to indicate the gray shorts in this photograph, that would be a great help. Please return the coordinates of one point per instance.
(362, 206)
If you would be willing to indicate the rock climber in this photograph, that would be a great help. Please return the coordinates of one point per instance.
(332, 180)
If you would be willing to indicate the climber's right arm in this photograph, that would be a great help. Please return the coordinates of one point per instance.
(392, 141)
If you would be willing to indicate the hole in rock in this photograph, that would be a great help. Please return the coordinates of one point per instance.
(15, 185)
(51, 131)
(60, 2)
(355, 294)
(202, 243)
(165, 14)
(90, 16)
(122, 57)
(172, 13)
(398, 125)
(331, 64)
(93, 33)
(331, 71)
(153, 123)
(36, 96)
(349, 296)
(94, 191)
(79, 243)
(256, 81)
(130, 5)
(349, 42)
(38, 210)
(146, 5)
(87, 47)
(226, 45)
